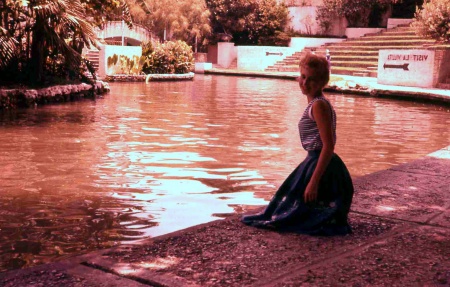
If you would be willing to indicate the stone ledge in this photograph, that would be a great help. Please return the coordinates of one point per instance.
(149, 77)
(23, 97)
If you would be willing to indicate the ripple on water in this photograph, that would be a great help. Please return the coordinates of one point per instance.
(150, 159)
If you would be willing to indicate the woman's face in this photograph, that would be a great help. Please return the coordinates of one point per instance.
(309, 82)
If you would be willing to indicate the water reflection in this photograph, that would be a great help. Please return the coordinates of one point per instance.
(151, 159)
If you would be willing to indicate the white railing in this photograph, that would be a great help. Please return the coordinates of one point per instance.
(114, 29)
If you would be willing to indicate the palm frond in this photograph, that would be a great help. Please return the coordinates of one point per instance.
(8, 48)
(126, 16)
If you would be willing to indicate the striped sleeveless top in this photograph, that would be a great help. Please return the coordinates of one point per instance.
(307, 126)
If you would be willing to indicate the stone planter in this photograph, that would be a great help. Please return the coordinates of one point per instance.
(169, 77)
(125, 78)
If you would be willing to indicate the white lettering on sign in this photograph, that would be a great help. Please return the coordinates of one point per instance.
(412, 57)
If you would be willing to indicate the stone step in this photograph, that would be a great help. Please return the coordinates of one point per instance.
(291, 62)
(402, 27)
(290, 68)
(359, 56)
(361, 74)
(398, 43)
(390, 37)
(374, 48)
(355, 64)
(353, 58)
(393, 32)
(372, 73)
(349, 53)
(363, 64)
(345, 70)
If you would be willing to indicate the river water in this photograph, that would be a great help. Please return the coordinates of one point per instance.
(148, 159)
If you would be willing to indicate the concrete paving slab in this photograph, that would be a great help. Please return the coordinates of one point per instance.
(418, 257)
(64, 273)
(228, 253)
(402, 195)
(429, 165)
(140, 272)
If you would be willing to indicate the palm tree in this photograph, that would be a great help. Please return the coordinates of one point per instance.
(36, 33)
(55, 21)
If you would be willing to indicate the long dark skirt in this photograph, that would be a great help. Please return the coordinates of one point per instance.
(287, 211)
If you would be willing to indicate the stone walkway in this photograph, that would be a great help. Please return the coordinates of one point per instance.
(367, 86)
(401, 223)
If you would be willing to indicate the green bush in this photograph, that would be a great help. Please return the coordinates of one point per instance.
(433, 20)
(173, 57)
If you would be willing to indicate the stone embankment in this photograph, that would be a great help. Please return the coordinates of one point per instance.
(24, 97)
(149, 77)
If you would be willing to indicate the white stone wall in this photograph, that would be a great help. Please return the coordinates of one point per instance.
(109, 50)
(258, 58)
(414, 68)
(226, 54)
(299, 43)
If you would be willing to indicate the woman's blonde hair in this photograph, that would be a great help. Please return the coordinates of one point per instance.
(319, 64)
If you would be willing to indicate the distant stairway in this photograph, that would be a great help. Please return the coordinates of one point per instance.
(359, 56)
(93, 56)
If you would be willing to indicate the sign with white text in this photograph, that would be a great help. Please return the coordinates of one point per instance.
(412, 68)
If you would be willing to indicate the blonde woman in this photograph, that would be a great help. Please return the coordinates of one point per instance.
(316, 197)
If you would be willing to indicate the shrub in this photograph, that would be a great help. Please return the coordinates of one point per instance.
(173, 57)
(433, 20)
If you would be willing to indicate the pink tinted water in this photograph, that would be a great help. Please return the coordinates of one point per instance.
(150, 159)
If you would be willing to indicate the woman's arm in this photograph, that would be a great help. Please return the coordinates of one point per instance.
(322, 115)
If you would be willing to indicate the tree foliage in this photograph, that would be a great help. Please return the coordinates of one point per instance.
(433, 20)
(355, 11)
(248, 22)
(42, 39)
(185, 20)
(172, 57)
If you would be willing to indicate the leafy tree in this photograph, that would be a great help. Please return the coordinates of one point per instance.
(171, 19)
(433, 20)
(45, 37)
(196, 26)
(171, 57)
(356, 12)
(248, 22)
